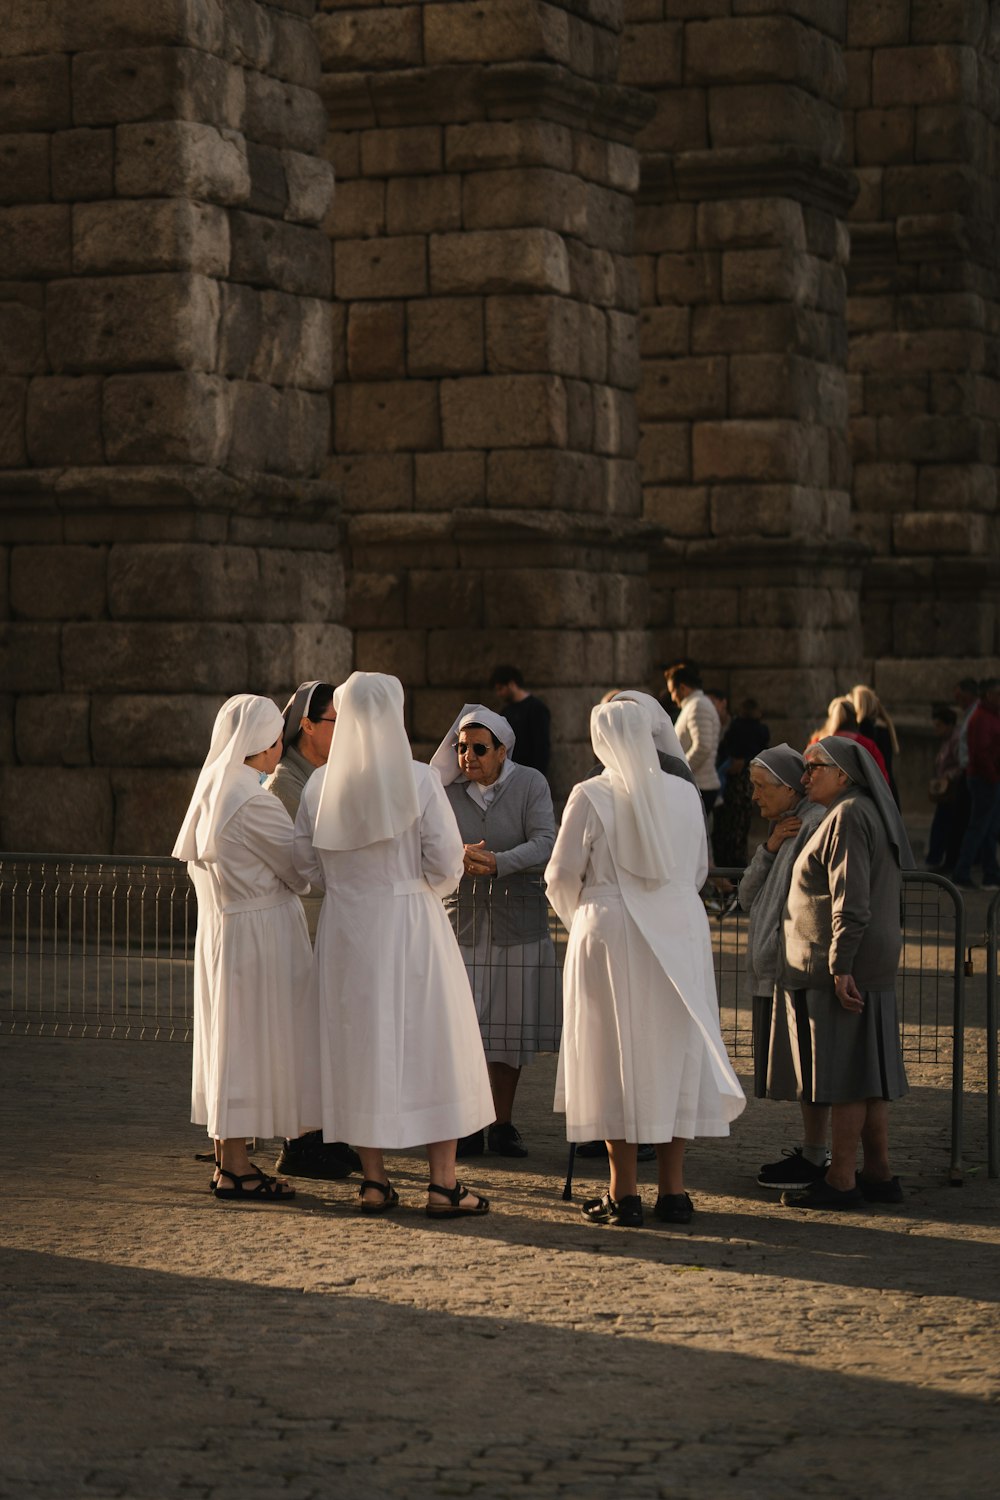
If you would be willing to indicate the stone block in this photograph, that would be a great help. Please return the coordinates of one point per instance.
(509, 411)
(957, 487)
(482, 145)
(624, 365)
(938, 533)
(157, 83)
(682, 510)
(551, 599)
(83, 164)
(300, 437)
(374, 482)
(885, 487)
(162, 235)
(948, 132)
(771, 114)
(923, 75)
(369, 41)
(53, 729)
(58, 582)
(664, 227)
(679, 124)
(932, 627)
(146, 658)
(594, 340)
(664, 331)
(376, 600)
(150, 805)
(499, 260)
(321, 651)
(163, 581)
(925, 192)
(445, 336)
(665, 452)
(310, 184)
(879, 23)
(751, 224)
(64, 421)
(504, 31)
(35, 241)
(677, 389)
(402, 653)
(947, 21)
(166, 418)
(689, 278)
(441, 597)
(268, 185)
(376, 341)
(593, 276)
(409, 150)
(13, 397)
(778, 510)
(133, 323)
(546, 479)
(786, 690)
(702, 606)
(652, 55)
(936, 439)
(450, 481)
(180, 159)
(579, 415)
(796, 608)
(533, 333)
(768, 328)
(884, 135)
(769, 276)
(22, 339)
(766, 451)
(24, 168)
(36, 92)
(387, 416)
(422, 205)
(783, 385)
(380, 268)
(282, 114)
(52, 808)
(294, 55)
(525, 196)
(763, 49)
(29, 658)
(292, 257)
(307, 587)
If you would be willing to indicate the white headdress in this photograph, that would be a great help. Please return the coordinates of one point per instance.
(244, 726)
(369, 791)
(445, 760)
(640, 841)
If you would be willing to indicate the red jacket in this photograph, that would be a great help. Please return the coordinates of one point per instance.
(983, 738)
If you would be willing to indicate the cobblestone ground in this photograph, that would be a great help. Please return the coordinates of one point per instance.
(158, 1345)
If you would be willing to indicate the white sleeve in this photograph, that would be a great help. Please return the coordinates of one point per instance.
(306, 859)
(442, 853)
(566, 871)
(266, 830)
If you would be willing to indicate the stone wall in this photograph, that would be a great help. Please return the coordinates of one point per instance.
(165, 359)
(924, 106)
(485, 434)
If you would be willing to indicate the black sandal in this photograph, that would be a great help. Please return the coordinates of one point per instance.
(455, 1196)
(267, 1189)
(389, 1195)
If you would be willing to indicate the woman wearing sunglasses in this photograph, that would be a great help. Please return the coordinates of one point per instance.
(505, 816)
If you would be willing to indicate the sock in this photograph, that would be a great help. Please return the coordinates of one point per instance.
(818, 1155)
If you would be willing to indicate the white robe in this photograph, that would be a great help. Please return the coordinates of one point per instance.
(254, 1069)
(642, 1057)
(401, 1057)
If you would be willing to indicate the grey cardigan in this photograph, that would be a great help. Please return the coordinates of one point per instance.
(843, 910)
(519, 826)
(763, 892)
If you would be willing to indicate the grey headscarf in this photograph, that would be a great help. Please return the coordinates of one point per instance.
(297, 709)
(854, 760)
(785, 763)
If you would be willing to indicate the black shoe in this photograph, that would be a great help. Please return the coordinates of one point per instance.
(585, 1149)
(469, 1145)
(874, 1190)
(311, 1156)
(645, 1153)
(822, 1195)
(626, 1212)
(505, 1140)
(674, 1208)
(793, 1171)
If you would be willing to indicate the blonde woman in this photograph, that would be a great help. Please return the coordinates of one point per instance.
(875, 722)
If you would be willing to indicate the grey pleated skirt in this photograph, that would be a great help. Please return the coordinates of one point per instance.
(841, 1057)
(774, 1075)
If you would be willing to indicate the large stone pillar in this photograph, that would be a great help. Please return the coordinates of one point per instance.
(743, 405)
(485, 432)
(924, 353)
(165, 349)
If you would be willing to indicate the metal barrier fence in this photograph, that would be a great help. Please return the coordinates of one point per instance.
(103, 948)
(992, 1122)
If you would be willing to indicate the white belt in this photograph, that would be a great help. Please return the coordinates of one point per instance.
(410, 887)
(600, 893)
(260, 903)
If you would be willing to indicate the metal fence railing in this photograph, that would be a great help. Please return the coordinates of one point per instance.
(103, 947)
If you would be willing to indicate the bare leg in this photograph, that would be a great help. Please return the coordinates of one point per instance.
(875, 1141)
(503, 1082)
(233, 1157)
(621, 1157)
(670, 1167)
(815, 1124)
(441, 1166)
(848, 1122)
(373, 1168)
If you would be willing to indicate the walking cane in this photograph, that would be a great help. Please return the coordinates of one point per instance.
(568, 1189)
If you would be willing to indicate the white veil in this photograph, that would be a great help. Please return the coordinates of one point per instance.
(445, 760)
(623, 743)
(244, 726)
(369, 791)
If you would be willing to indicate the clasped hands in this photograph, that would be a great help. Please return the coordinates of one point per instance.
(479, 860)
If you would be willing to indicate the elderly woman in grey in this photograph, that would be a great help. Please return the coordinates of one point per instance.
(841, 941)
(776, 780)
(505, 816)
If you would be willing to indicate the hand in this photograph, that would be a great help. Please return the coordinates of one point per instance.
(848, 993)
(479, 860)
(786, 829)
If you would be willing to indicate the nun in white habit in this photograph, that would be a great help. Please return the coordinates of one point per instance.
(254, 1070)
(642, 1056)
(401, 1058)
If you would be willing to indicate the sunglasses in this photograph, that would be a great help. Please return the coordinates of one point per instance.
(477, 749)
(819, 765)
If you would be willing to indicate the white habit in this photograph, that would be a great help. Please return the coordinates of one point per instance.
(401, 1058)
(642, 1056)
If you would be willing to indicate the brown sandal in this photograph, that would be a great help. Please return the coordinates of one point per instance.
(455, 1196)
(389, 1195)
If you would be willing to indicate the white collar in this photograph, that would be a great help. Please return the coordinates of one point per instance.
(484, 795)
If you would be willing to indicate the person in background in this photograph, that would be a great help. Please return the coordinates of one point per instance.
(744, 737)
(875, 722)
(982, 777)
(527, 715)
(842, 721)
(944, 787)
(697, 728)
(309, 717)
(966, 699)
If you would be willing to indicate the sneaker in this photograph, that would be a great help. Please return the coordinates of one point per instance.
(311, 1156)
(470, 1145)
(625, 1212)
(822, 1195)
(505, 1140)
(674, 1208)
(874, 1190)
(792, 1171)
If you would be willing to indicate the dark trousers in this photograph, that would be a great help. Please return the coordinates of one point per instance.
(979, 843)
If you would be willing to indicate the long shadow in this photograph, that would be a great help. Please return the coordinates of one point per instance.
(151, 1386)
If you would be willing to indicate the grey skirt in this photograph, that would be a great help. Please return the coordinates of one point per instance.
(774, 1075)
(841, 1057)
